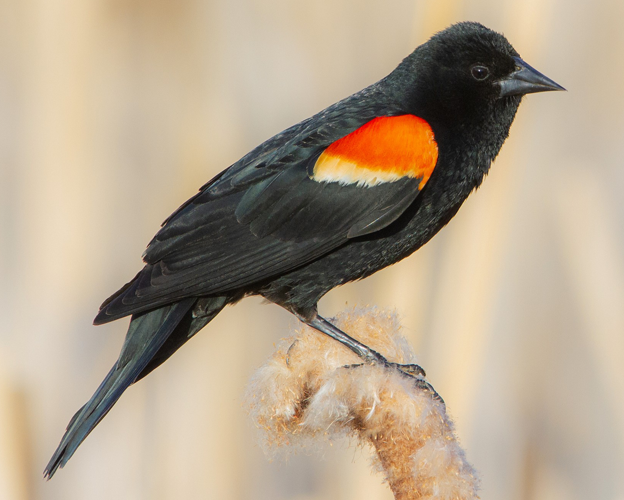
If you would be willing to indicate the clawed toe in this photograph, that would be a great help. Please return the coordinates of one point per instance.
(412, 369)
(425, 386)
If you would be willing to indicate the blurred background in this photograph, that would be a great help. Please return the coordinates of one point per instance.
(112, 113)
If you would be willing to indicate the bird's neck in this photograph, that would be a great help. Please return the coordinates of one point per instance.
(471, 144)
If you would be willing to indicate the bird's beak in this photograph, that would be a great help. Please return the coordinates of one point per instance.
(526, 80)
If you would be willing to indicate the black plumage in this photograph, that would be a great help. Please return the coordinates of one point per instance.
(266, 227)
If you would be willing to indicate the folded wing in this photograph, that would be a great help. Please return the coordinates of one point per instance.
(282, 206)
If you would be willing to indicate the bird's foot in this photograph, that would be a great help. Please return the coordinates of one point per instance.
(412, 371)
(368, 355)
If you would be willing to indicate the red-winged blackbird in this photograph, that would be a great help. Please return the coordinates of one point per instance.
(349, 191)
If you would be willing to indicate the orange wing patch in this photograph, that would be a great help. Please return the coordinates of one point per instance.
(385, 149)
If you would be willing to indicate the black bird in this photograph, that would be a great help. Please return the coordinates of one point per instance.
(335, 198)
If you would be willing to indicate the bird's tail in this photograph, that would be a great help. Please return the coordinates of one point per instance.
(152, 337)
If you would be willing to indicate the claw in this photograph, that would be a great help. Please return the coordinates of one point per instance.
(412, 369)
(416, 373)
(425, 386)
(356, 365)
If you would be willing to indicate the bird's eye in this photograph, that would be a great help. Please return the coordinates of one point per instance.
(479, 72)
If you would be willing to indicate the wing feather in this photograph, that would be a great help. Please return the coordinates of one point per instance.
(264, 216)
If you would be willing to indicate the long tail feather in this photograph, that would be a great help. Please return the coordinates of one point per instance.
(146, 335)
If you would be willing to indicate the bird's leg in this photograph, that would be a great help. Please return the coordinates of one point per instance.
(362, 350)
(366, 353)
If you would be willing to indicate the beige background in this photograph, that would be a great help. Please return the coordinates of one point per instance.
(113, 112)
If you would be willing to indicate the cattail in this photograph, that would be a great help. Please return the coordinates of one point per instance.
(314, 389)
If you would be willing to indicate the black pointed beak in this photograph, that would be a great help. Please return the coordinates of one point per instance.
(526, 80)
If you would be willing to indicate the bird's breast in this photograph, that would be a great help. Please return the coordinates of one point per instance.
(385, 149)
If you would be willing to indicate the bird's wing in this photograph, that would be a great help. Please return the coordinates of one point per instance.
(298, 198)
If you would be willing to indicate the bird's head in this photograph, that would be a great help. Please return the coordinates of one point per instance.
(467, 73)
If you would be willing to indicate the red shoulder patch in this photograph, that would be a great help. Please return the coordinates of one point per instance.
(385, 149)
